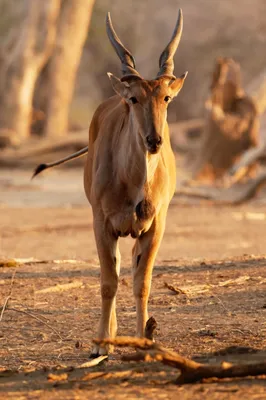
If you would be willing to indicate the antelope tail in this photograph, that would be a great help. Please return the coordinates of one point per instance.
(42, 167)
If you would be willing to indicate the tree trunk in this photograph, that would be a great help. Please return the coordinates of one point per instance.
(71, 34)
(23, 63)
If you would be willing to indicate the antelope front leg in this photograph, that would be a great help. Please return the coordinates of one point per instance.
(144, 254)
(109, 256)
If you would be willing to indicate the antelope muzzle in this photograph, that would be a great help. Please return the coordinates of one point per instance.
(154, 143)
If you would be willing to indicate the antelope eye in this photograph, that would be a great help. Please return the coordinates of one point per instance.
(133, 100)
(167, 99)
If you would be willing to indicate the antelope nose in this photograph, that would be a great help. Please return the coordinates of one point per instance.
(154, 140)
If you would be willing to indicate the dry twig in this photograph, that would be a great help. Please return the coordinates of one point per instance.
(9, 295)
(174, 289)
(93, 362)
(190, 371)
(57, 377)
(60, 287)
(107, 375)
(37, 319)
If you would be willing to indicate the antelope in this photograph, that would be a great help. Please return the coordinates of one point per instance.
(130, 176)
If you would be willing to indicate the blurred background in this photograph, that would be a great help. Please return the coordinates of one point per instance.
(60, 49)
(54, 56)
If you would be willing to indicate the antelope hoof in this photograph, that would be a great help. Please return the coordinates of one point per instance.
(150, 328)
(94, 355)
(101, 351)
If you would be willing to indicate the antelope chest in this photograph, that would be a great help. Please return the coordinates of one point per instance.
(129, 216)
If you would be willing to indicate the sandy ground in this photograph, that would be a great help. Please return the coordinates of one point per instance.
(214, 254)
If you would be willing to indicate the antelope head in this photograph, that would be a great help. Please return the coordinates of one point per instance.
(148, 99)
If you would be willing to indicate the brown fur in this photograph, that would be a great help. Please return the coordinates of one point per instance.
(130, 175)
(129, 188)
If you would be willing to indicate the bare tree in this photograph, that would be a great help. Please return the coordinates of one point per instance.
(22, 62)
(60, 73)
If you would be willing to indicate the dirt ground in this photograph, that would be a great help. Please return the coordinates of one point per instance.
(216, 255)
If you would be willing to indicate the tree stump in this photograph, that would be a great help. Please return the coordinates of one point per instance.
(231, 124)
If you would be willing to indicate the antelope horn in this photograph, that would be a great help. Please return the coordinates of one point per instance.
(127, 60)
(166, 62)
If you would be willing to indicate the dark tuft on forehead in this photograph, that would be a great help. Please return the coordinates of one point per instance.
(148, 85)
(152, 86)
(146, 88)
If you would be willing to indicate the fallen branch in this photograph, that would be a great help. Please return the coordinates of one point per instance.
(190, 371)
(249, 157)
(57, 377)
(107, 375)
(9, 263)
(16, 262)
(172, 358)
(236, 194)
(72, 143)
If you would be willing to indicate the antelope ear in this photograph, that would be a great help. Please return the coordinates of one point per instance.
(177, 84)
(119, 87)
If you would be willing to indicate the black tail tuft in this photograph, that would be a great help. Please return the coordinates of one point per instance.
(39, 169)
